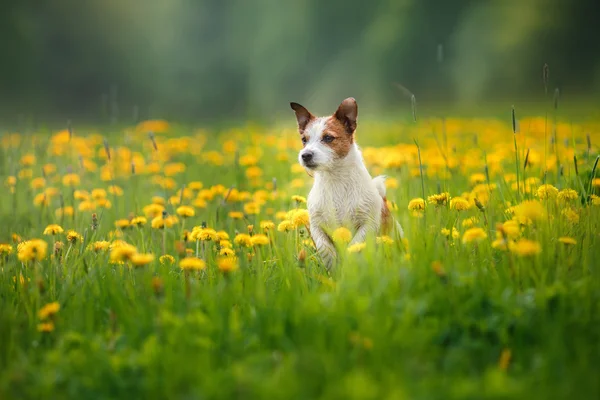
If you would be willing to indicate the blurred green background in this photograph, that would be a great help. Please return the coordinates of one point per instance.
(207, 60)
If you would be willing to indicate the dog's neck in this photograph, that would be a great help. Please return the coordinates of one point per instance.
(347, 170)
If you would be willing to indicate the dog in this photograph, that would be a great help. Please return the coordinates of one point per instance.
(343, 194)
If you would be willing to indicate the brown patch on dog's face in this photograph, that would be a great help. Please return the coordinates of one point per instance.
(336, 137)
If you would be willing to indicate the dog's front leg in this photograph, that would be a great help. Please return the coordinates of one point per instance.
(324, 245)
(361, 233)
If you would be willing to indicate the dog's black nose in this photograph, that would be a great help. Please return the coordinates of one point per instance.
(307, 156)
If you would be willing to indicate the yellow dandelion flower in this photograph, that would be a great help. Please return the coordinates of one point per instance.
(243, 239)
(450, 233)
(196, 185)
(567, 240)
(300, 218)
(341, 235)
(477, 178)
(207, 234)
(37, 183)
(161, 222)
(28, 160)
(459, 204)
(45, 327)
(252, 208)
(286, 226)
(227, 264)
(71, 180)
(98, 194)
(153, 210)
(103, 203)
(86, 206)
(53, 229)
(167, 260)
(384, 240)
(226, 252)
(10, 181)
(474, 235)
(545, 192)
(5, 248)
(469, 222)
(512, 229)
(571, 215)
(139, 221)
(140, 260)
(73, 236)
(185, 211)
(122, 251)
(357, 247)
(25, 173)
(260, 240)
(417, 204)
(440, 199)
(236, 215)
(281, 215)
(49, 310)
(159, 200)
(595, 200)
(567, 195)
(122, 223)
(525, 248)
(299, 199)
(30, 250)
(267, 225)
(529, 210)
(64, 212)
(41, 199)
(101, 245)
(253, 172)
(192, 264)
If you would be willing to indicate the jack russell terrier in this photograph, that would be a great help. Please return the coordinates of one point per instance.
(343, 194)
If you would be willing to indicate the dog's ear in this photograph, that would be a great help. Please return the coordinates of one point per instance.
(347, 113)
(302, 115)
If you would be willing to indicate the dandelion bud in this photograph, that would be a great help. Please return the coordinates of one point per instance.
(151, 136)
(479, 205)
(106, 149)
(132, 168)
(514, 120)
(94, 221)
(157, 286)
(58, 247)
(302, 256)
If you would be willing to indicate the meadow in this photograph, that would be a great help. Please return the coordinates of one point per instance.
(160, 261)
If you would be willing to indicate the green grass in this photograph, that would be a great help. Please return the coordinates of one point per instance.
(428, 320)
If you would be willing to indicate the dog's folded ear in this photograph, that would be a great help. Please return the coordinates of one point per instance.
(302, 115)
(347, 113)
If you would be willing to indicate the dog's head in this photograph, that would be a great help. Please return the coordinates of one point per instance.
(326, 139)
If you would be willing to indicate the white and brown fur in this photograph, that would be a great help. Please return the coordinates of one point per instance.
(343, 193)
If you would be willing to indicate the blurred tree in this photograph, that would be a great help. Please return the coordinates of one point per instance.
(210, 59)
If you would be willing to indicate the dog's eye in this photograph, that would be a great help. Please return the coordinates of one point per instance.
(328, 139)
(304, 140)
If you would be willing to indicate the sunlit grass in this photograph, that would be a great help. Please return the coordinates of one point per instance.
(179, 264)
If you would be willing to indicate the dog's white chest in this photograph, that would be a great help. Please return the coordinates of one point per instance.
(349, 203)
